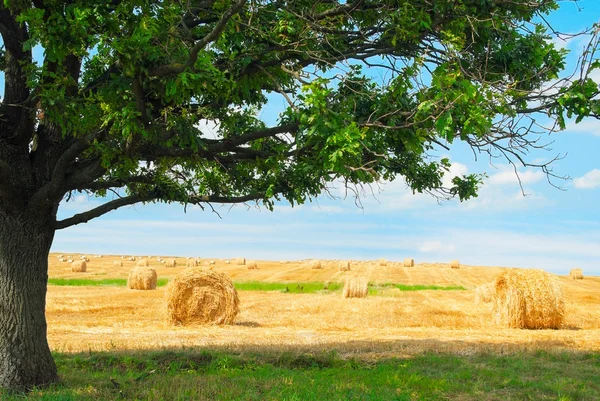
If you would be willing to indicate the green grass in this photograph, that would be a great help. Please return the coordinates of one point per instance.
(111, 282)
(293, 288)
(266, 376)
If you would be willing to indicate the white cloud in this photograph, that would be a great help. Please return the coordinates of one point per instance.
(586, 126)
(508, 176)
(589, 180)
(436, 247)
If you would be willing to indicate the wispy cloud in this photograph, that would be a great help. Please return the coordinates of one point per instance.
(589, 180)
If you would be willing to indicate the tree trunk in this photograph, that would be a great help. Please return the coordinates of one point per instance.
(25, 358)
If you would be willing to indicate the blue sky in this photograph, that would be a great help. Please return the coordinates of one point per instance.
(549, 228)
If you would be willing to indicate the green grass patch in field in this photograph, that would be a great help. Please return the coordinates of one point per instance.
(292, 288)
(109, 282)
(267, 375)
(382, 289)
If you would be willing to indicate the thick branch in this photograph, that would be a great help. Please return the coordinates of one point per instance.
(133, 199)
(102, 209)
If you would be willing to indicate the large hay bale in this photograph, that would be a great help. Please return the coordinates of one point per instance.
(314, 264)
(382, 262)
(143, 263)
(79, 266)
(199, 295)
(344, 265)
(454, 264)
(576, 274)
(142, 278)
(528, 299)
(171, 263)
(355, 288)
(117, 263)
(409, 262)
(251, 264)
(240, 261)
(484, 293)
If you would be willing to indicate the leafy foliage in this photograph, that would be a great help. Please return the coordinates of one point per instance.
(128, 91)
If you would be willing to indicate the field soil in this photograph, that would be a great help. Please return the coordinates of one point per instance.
(392, 324)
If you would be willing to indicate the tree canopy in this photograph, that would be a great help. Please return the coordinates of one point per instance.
(120, 96)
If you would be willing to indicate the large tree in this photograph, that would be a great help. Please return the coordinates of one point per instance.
(119, 101)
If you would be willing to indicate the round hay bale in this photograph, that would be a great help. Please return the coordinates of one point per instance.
(79, 266)
(118, 263)
(171, 263)
(528, 299)
(240, 261)
(355, 288)
(251, 264)
(576, 274)
(382, 262)
(142, 278)
(455, 264)
(315, 264)
(192, 263)
(143, 263)
(344, 265)
(484, 293)
(409, 262)
(199, 295)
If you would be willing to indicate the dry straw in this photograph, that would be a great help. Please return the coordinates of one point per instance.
(251, 264)
(576, 274)
(79, 266)
(142, 278)
(455, 264)
(143, 263)
(409, 262)
(171, 263)
(355, 288)
(528, 299)
(344, 265)
(192, 263)
(484, 293)
(240, 261)
(315, 264)
(382, 262)
(117, 263)
(199, 295)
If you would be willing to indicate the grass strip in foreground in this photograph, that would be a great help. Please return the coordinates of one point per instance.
(261, 374)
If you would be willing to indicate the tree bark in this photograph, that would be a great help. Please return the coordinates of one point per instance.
(25, 358)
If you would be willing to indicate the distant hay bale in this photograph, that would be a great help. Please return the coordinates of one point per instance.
(344, 265)
(79, 266)
(251, 264)
(355, 288)
(171, 263)
(382, 262)
(142, 278)
(409, 262)
(484, 293)
(192, 263)
(240, 261)
(118, 263)
(143, 263)
(199, 295)
(528, 299)
(227, 262)
(455, 264)
(211, 262)
(576, 274)
(314, 264)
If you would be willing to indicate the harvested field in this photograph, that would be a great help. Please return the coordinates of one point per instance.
(396, 323)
